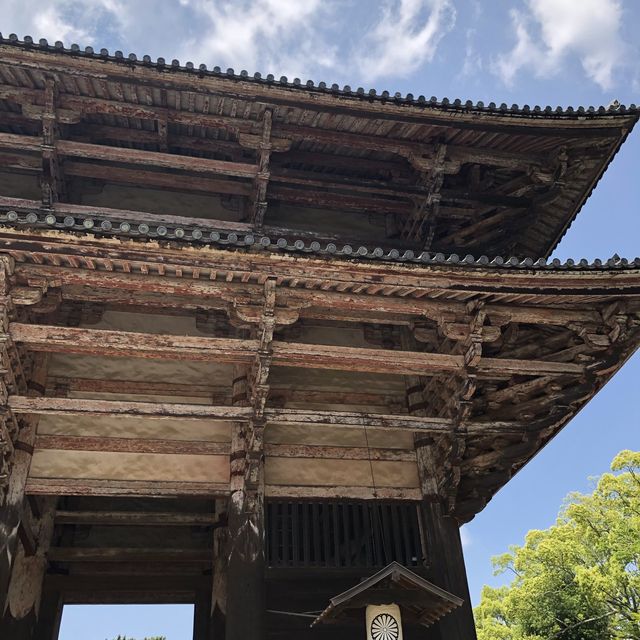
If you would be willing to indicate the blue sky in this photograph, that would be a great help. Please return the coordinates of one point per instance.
(557, 52)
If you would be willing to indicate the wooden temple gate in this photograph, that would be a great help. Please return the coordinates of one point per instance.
(248, 358)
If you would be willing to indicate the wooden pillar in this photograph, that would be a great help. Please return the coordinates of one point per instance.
(16, 436)
(219, 595)
(444, 556)
(24, 595)
(12, 507)
(50, 617)
(245, 606)
(447, 570)
(202, 615)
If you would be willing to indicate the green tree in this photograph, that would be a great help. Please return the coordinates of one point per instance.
(579, 579)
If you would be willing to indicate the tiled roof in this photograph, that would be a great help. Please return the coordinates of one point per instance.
(443, 104)
(197, 236)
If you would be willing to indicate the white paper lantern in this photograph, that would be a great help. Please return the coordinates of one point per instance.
(384, 622)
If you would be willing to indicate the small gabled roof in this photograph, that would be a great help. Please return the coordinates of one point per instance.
(419, 600)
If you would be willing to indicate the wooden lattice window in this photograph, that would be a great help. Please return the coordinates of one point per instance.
(343, 534)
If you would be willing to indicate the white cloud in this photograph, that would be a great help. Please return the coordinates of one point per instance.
(472, 63)
(549, 32)
(63, 20)
(274, 35)
(404, 38)
(297, 38)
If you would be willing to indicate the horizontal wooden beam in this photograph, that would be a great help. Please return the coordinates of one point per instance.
(333, 304)
(155, 159)
(417, 153)
(158, 411)
(167, 411)
(84, 150)
(100, 342)
(130, 588)
(155, 179)
(123, 343)
(142, 445)
(342, 492)
(218, 394)
(129, 445)
(299, 187)
(318, 452)
(123, 488)
(133, 518)
(143, 387)
(146, 445)
(118, 554)
(381, 422)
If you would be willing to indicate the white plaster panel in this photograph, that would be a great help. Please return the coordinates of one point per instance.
(105, 465)
(352, 473)
(126, 427)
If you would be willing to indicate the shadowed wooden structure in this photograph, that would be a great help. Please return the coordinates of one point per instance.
(260, 338)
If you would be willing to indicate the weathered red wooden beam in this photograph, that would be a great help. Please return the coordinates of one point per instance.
(128, 445)
(181, 447)
(158, 179)
(215, 393)
(158, 411)
(132, 156)
(53, 339)
(155, 159)
(162, 411)
(323, 304)
(123, 488)
(125, 343)
(317, 452)
(341, 492)
(386, 200)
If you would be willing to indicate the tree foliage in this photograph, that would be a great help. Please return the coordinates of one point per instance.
(579, 579)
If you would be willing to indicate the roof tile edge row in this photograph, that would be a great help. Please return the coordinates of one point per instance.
(445, 104)
(197, 236)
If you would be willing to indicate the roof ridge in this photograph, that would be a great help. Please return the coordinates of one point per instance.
(614, 108)
(197, 236)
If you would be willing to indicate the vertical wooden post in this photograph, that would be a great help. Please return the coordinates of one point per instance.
(27, 576)
(218, 604)
(16, 436)
(246, 596)
(202, 615)
(50, 616)
(245, 606)
(446, 566)
(445, 558)
(12, 508)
